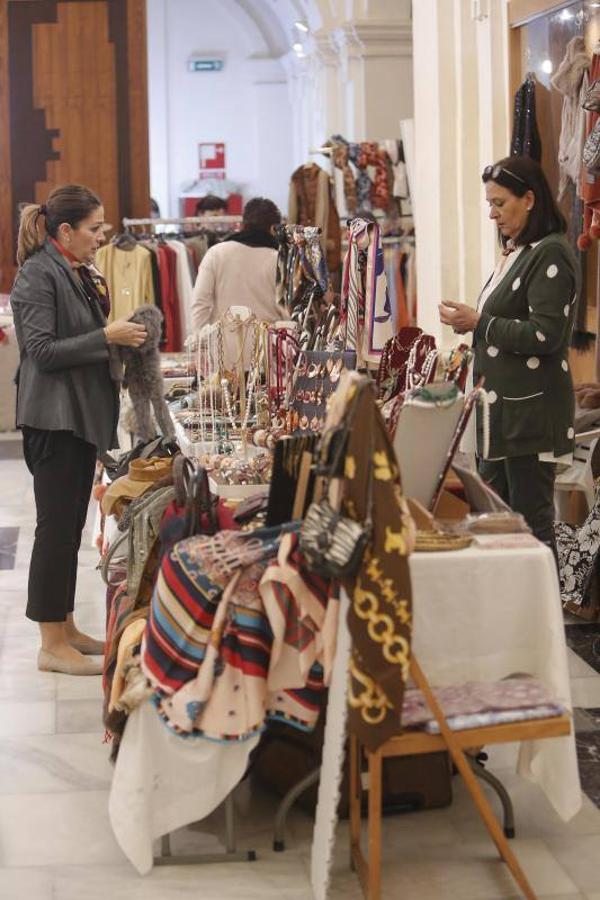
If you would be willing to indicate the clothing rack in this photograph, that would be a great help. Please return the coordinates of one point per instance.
(186, 220)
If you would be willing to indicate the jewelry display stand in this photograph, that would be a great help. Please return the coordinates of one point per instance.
(423, 437)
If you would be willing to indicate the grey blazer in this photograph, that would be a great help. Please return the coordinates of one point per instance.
(63, 382)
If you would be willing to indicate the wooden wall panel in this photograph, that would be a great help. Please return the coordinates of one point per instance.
(138, 109)
(6, 248)
(73, 107)
(76, 52)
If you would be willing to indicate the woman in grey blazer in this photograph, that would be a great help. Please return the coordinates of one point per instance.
(67, 403)
(521, 335)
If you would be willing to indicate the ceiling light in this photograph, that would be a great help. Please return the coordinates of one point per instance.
(301, 26)
(566, 15)
(298, 48)
(547, 66)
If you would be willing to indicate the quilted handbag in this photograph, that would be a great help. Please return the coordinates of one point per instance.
(591, 149)
(332, 544)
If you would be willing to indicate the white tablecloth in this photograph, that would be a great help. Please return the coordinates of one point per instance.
(478, 615)
(484, 614)
(163, 782)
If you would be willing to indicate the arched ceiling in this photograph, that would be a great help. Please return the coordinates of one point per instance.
(275, 19)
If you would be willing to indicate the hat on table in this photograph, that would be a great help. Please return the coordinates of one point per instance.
(142, 475)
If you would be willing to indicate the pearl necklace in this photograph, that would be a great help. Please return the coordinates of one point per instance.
(249, 396)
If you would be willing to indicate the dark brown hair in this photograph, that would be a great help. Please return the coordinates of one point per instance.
(261, 213)
(210, 203)
(71, 203)
(519, 174)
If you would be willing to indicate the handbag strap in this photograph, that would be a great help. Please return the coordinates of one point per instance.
(200, 502)
(183, 470)
(341, 448)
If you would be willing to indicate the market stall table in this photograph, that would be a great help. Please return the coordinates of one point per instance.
(479, 614)
(483, 614)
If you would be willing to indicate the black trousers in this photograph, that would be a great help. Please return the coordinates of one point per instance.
(527, 485)
(63, 468)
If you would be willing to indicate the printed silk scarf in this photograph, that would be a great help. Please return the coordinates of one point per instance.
(365, 304)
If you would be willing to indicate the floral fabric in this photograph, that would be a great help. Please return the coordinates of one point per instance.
(577, 552)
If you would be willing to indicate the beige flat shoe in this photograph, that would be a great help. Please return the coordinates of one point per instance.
(90, 647)
(48, 662)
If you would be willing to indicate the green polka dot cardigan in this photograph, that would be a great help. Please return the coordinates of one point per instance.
(522, 349)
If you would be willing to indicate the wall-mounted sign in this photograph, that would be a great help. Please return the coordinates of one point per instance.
(211, 157)
(205, 65)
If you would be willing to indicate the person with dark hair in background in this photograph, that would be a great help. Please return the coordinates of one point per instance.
(210, 206)
(521, 334)
(240, 271)
(67, 403)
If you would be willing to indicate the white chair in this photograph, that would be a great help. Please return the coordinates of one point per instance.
(578, 477)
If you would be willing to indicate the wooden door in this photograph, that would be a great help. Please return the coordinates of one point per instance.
(73, 107)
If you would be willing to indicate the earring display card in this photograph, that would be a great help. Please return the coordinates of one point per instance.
(317, 376)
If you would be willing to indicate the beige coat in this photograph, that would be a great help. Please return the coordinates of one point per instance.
(233, 274)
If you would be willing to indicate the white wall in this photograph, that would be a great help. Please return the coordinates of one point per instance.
(245, 105)
(460, 58)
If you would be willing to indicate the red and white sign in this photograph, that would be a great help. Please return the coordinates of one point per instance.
(211, 157)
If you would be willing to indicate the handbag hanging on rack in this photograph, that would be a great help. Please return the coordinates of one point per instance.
(334, 544)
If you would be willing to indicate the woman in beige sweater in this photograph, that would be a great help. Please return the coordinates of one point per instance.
(240, 271)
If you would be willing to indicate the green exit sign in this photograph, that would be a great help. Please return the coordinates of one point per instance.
(205, 65)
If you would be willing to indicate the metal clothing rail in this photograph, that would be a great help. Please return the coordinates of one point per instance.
(187, 220)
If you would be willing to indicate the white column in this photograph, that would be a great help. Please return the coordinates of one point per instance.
(460, 101)
(273, 129)
(158, 104)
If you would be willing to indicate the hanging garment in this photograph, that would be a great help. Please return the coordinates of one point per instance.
(184, 287)
(590, 181)
(526, 139)
(395, 151)
(571, 81)
(365, 305)
(340, 158)
(129, 277)
(167, 263)
(381, 184)
(311, 203)
(364, 185)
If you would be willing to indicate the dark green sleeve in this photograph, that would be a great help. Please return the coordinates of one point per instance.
(550, 290)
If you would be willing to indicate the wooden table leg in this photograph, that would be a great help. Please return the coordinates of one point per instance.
(374, 825)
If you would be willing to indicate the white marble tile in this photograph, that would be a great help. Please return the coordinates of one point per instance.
(56, 829)
(27, 717)
(586, 691)
(580, 857)
(69, 687)
(269, 878)
(534, 816)
(471, 870)
(79, 716)
(32, 685)
(51, 763)
(26, 884)
(578, 668)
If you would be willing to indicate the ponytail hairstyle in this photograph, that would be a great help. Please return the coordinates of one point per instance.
(70, 204)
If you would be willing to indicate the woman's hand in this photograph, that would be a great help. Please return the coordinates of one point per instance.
(125, 333)
(459, 316)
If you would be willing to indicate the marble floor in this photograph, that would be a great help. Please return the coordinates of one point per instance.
(55, 838)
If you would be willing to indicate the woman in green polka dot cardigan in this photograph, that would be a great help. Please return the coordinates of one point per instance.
(521, 334)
